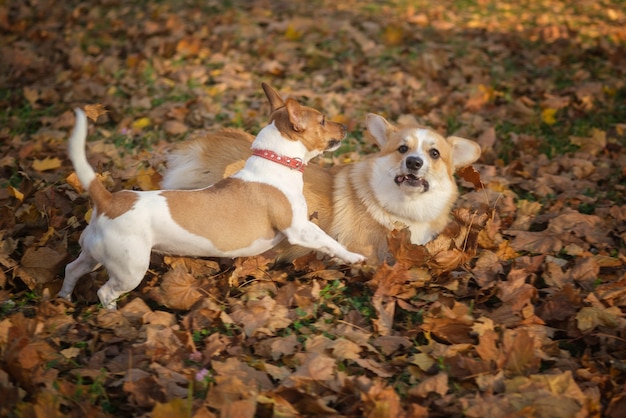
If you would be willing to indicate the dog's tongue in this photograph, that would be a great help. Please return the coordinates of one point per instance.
(412, 180)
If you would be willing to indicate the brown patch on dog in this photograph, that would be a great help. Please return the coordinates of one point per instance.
(110, 204)
(215, 213)
(305, 124)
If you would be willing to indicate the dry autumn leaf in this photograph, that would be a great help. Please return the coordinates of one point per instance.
(470, 174)
(50, 163)
(180, 289)
(94, 111)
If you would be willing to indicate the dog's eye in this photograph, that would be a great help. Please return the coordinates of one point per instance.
(402, 149)
(434, 154)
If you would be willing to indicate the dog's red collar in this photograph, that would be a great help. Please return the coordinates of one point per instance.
(293, 163)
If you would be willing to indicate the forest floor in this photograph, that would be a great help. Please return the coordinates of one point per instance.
(524, 318)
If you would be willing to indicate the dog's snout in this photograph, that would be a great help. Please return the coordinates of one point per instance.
(414, 163)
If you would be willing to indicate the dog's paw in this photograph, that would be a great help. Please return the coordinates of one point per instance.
(352, 258)
(65, 295)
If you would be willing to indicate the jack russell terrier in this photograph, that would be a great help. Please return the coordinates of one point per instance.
(242, 215)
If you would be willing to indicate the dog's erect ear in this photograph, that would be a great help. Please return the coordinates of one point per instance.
(294, 110)
(276, 102)
(378, 127)
(464, 151)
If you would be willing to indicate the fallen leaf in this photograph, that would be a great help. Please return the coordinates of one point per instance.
(49, 163)
(94, 111)
(470, 174)
(548, 116)
(180, 289)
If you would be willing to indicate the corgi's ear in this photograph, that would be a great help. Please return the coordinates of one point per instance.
(294, 110)
(464, 151)
(276, 102)
(379, 128)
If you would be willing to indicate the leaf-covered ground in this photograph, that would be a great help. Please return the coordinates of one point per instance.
(516, 310)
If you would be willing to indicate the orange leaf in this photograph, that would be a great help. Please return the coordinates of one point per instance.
(94, 111)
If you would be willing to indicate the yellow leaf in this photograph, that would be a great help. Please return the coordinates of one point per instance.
(423, 361)
(141, 123)
(547, 116)
(292, 33)
(393, 35)
(144, 179)
(45, 237)
(94, 111)
(49, 163)
(16, 193)
(88, 215)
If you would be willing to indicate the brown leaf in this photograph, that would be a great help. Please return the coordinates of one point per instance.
(177, 407)
(380, 369)
(403, 251)
(318, 367)
(385, 311)
(40, 265)
(470, 174)
(535, 242)
(180, 289)
(261, 315)
(174, 127)
(382, 401)
(94, 111)
(435, 384)
(589, 318)
(519, 347)
(343, 349)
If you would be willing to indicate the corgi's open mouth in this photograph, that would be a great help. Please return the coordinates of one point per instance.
(412, 180)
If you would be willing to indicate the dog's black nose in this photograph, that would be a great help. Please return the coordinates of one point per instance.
(414, 163)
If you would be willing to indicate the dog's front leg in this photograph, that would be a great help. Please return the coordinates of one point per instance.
(311, 236)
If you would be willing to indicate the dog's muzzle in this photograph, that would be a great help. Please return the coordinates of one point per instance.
(413, 164)
(333, 145)
(413, 181)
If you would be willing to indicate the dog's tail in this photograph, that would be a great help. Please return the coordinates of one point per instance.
(85, 173)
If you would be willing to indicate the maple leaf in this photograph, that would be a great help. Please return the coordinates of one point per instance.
(180, 289)
(519, 347)
(382, 401)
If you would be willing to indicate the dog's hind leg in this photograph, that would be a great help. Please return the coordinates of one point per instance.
(123, 277)
(84, 264)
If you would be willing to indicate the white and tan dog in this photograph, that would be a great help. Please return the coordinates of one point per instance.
(409, 183)
(243, 215)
